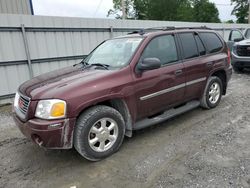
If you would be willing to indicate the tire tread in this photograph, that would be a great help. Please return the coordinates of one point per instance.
(81, 123)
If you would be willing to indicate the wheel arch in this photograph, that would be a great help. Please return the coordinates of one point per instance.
(223, 76)
(121, 106)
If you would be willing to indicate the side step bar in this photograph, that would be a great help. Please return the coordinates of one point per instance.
(166, 115)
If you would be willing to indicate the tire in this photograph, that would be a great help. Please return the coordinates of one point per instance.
(238, 69)
(212, 96)
(96, 125)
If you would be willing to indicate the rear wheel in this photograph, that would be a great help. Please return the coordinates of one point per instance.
(99, 132)
(212, 94)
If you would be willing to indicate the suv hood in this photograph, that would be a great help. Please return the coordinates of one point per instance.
(243, 42)
(52, 84)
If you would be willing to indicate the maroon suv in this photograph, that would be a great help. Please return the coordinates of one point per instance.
(125, 84)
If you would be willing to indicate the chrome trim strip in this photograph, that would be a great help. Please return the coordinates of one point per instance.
(172, 89)
(196, 81)
(162, 92)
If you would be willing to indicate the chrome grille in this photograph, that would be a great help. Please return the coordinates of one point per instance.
(22, 106)
(243, 50)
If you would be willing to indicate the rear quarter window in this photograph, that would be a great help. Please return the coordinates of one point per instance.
(200, 45)
(212, 42)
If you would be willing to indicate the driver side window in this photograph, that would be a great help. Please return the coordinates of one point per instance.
(235, 35)
(163, 48)
(247, 34)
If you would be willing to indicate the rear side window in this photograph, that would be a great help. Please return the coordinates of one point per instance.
(211, 41)
(189, 45)
(163, 48)
(200, 45)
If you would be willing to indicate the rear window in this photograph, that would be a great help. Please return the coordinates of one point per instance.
(212, 42)
(189, 45)
(201, 47)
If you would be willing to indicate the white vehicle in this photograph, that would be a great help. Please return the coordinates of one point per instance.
(239, 45)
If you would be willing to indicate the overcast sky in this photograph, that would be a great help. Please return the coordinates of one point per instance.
(99, 8)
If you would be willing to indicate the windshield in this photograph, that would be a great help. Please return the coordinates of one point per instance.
(115, 53)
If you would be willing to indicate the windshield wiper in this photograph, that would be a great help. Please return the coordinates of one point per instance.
(105, 66)
(83, 63)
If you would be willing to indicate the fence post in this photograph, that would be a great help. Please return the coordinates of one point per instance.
(25, 40)
(111, 32)
(223, 33)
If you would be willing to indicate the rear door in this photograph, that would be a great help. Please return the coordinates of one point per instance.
(159, 89)
(199, 68)
(195, 67)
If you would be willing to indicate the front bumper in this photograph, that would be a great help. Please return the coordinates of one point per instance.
(55, 134)
(240, 61)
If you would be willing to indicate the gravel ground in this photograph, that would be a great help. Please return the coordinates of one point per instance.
(202, 148)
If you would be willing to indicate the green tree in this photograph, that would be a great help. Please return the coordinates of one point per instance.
(229, 21)
(185, 12)
(240, 10)
(117, 9)
(141, 8)
(205, 11)
(171, 10)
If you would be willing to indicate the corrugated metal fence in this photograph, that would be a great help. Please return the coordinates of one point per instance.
(16, 7)
(32, 45)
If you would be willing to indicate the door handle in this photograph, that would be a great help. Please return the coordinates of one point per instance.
(178, 72)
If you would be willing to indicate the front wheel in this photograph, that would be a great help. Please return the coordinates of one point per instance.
(212, 93)
(99, 132)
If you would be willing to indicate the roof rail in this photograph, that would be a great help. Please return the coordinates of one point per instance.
(175, 28)
(141, 32)
(167, 28)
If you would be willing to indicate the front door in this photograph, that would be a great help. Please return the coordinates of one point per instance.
(236, 36)
(159, 89)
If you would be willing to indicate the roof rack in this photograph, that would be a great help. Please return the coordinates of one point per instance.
(167, 28)
(141, 32)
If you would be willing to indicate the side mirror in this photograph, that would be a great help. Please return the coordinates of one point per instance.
(149, 64)
(238, 39)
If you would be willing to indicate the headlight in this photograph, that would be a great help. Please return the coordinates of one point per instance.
(51, 109)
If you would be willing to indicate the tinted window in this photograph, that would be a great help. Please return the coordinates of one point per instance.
(201, 47)
(247, 34)
(212, 42)
(189, 45)
(235, 35)
(163, 48)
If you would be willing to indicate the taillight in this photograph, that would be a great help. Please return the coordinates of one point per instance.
(229, 56)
